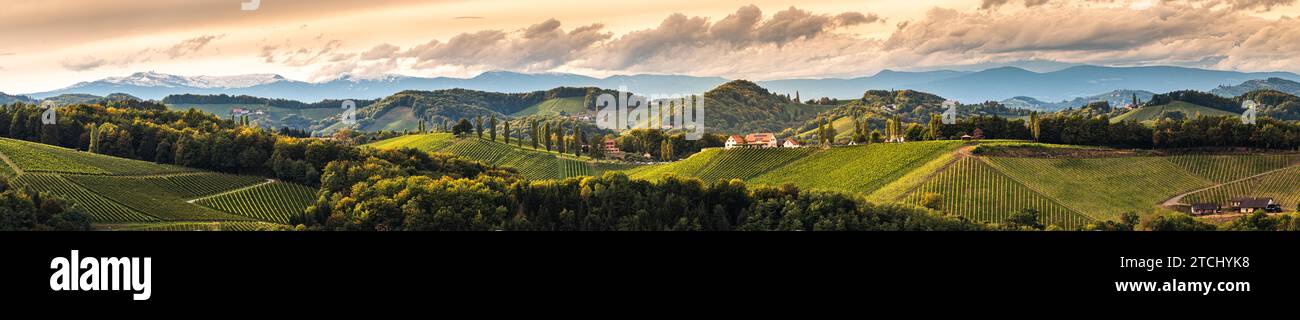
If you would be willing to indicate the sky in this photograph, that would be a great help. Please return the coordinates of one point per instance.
(50, 44)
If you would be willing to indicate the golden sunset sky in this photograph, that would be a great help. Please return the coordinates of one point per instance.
(49, 44)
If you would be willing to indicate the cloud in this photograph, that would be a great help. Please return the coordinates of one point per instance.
(303, 56)
(469, 18)
(538, 47)
(678, 34)
(191, 45)
(382, 51)
(795, 43)
(83, 64)
(1260, 5)
(991, 4)
(1034, 3)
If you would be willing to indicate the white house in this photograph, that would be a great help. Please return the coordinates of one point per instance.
(734, 141)
(790, 143)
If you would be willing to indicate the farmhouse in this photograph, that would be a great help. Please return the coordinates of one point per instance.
(761, 140)
(754, 140)
(734, 141)
(610, 149)
(790, 143)
(1250, 205)
(1206, 208)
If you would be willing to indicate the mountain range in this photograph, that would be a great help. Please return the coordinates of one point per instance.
(1116, 98)
(967, 86)
(1279, 84)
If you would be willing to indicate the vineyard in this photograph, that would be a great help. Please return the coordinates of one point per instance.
(100, 209)
(532, 164)
(36, 157)
(1102, 188)
(860, 169)
(144, 195)
(974, 190)
(194, 226)
(1283, 186)
(276, 202)
(1225, 168)
(122, 191)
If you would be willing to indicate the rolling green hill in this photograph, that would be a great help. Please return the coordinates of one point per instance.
(116, 191)
(555, 107)
(1151, 113)
(743, 107)
(533, 164)
(861, 169)
(1070, 191)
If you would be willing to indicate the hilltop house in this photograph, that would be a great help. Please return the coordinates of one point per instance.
(790, 143)
(734, 141)
(1206, 208)
(1250, 205)
(753, 140)
(610, 149)
(761, 140)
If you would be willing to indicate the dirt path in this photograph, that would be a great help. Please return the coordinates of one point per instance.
(1178, 199)
(268, 181)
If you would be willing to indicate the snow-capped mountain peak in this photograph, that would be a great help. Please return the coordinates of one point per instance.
(154, 79)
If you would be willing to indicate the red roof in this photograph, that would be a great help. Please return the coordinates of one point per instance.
(760, 137)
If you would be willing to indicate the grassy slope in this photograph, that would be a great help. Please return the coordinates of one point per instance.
(395, 119)
(843, 129)
(116, 190)
(570, 106)
(533, 164)
(1150, 113)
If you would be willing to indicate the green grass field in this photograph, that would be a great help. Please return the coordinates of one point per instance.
(1151, 113)
(552, 107)
(533, 164)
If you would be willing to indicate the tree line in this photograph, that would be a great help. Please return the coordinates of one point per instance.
(191, 138)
